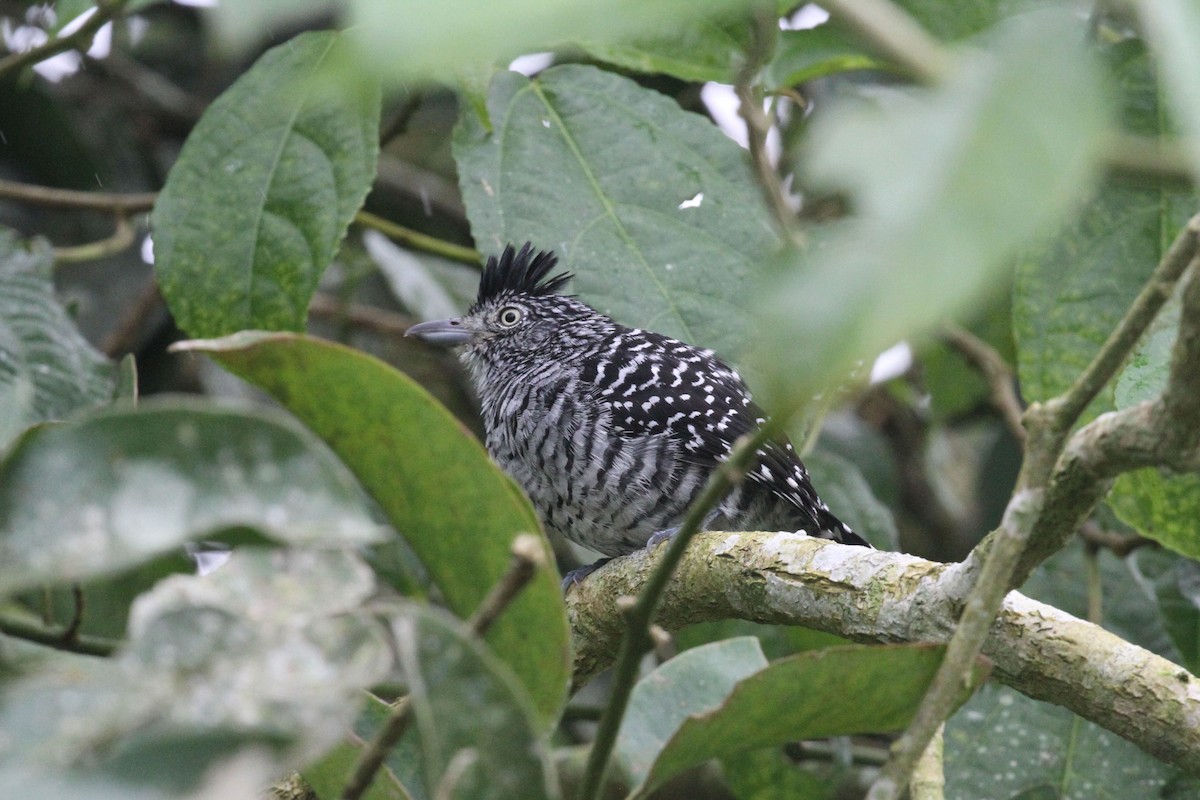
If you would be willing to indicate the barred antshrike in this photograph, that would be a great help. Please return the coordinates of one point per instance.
(613, 431)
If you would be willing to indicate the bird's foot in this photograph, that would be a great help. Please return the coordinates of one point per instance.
(579, 573)
(668, 533)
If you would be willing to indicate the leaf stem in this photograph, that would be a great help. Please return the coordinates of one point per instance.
(116, 202)
(421, 241)
(896, 35)
(59, 640)
(636, 639)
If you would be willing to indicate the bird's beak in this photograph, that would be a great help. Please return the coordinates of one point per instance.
(449, 332)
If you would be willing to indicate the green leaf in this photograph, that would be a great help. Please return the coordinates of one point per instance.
(1175, 583)
(426, 38)
(947, 184)
(1003, 745)
(262, 194)
(435, 483)
(805, 55)
(478, 731)
(47, 369)
(1070, 294)
(703, 50)
(1160, 506)
(871, 689)
(662, 231)
(1174, 28)
(132, 484)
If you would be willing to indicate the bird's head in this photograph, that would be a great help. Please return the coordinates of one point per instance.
(518, 315)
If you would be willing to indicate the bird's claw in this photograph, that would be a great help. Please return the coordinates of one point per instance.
(579, 573)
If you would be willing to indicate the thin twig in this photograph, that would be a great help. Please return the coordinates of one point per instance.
(120, 240)
(1119, 544)
(115, 202)
(996, 371)
(527, 556)
(636, 639)
(759, 123)
(429, 244)
(377, 320)
(71, 634)
(1142, 158)
(895, 35)
(929, 777)
(79, 39)
(31, 632)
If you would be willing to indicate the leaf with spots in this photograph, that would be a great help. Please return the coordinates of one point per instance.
(122, 486)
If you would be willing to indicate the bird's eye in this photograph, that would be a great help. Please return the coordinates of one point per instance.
(509, 316)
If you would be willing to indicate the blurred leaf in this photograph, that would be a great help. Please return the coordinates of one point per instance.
(257, 205)
(132, 484)
(804, 55)
(434, 482)
(47, 369)
(478, 731)
(947, 183)
(844, 488)
(960, 19)
(703, 50)
(1002, 745)
(269, 650)
(663, 231)
(1145, 375)
(693, 683)
(239, 26)
(877, 689)
(1175, 582)
(1174, 28)
(427, 38)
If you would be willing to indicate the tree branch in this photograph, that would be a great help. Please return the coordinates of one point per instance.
(876, 596)
(115, 202)
(995, 370)
(79, 39)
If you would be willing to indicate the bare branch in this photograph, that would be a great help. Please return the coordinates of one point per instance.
(996, 371)
(876, 596)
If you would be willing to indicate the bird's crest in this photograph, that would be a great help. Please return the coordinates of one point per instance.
(520, 272)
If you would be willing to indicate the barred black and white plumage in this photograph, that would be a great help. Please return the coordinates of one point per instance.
(613, 431)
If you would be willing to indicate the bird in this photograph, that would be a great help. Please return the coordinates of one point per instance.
(613, 431)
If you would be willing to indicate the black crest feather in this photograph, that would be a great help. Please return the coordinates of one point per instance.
(521, 271)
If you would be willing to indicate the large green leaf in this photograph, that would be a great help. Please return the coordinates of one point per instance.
(651, 207)
(268, 181)
(455, 508)
(47, 369)
(478, 732)
(123, 485)
(703, 50)
(1004, 746)
(1175, 583)
(947, 183)
(829, 692)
